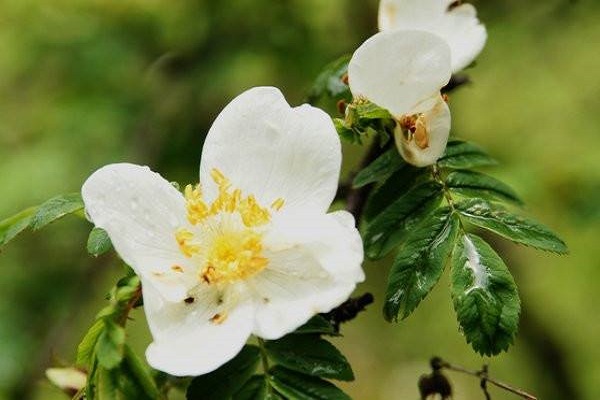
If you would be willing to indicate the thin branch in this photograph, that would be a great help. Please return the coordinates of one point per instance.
(438, 363)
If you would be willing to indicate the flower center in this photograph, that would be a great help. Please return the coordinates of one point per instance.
(414, 127)
(226, 241)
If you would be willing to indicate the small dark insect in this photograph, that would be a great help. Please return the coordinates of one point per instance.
(189, 300)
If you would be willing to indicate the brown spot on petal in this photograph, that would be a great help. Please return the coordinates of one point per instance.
(177, 268)
(218, 318)
(189, 300)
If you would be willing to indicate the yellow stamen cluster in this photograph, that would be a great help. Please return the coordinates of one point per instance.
(228, 253)
(229, 201)
(234, 256)
(186, 243)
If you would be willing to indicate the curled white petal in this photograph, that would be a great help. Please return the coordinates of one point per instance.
(398, 69)
(458, 25)
(269, 149)
(140, 211)
(436, 124)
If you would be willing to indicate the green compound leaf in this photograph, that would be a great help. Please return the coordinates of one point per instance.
(476, 184)
(513, 227)
(98, 242)
(55, 208)
(380, 169)
(329, 82)
(110, 348)
(485, 296)
(310, 354)
(297, 386)
(257, 388)
(12, 226)
(316, 324)
(139, 374)
(391, 189)
(85, 349)
(228, 379)
(420, 263)
(390, 227)
(464, 155)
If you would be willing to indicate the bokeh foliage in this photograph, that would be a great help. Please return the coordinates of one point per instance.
(85, 83)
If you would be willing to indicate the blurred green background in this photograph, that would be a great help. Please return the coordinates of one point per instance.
(87, 82)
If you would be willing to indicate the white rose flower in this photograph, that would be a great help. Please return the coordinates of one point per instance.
(403, 72)
(251, 251)
(455, 22)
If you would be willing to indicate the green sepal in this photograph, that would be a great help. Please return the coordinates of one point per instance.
(391, 226)
(365, 110)
(297, 386)
(110, 347)
(222, 383)
(310, 354)
(476, 184)
(380, 169)
(485, 296)
(107, 384)
(420, 263)
(98, 242)
(519, 229)
(55, 208)
(464, 155)
(12, 226)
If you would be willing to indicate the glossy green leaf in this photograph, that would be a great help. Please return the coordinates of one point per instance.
(254, 389)
(464, 155)
(12, 226)
(380, 169)
(140, 374)
(329, 82)
(110, 346)
(228, 379)
(420, 263)
(85, 349)
(485, 296)
(316, 324)
(98, 242)
(310, 354)
(397, 185)
(391, 226)
(55, 208)
(297, 386)
(513, 227)
(476, 184)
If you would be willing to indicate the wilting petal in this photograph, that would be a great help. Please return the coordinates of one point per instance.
(195, 337)
(398, 69)
(270, 150)
(458, 25)
(140, 211)
(426, 150)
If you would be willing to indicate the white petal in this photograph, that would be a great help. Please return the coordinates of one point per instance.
(398, 69)
(271, 150)
(438, 120)
(187, 340)
(460, 27)
(292, 289)
(314, 266)
(141, 212)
